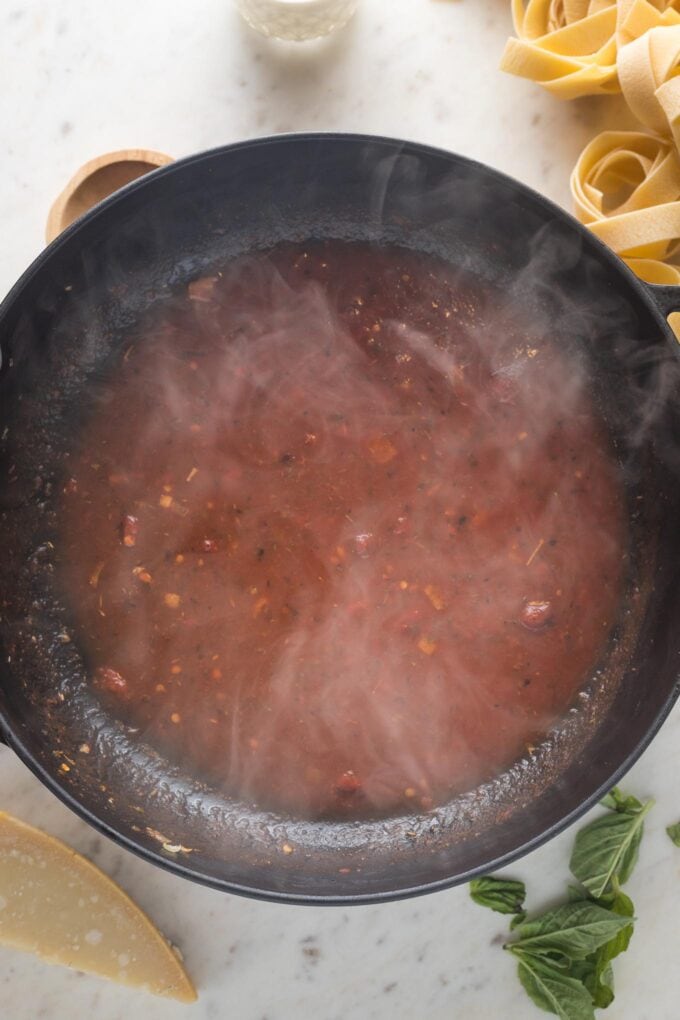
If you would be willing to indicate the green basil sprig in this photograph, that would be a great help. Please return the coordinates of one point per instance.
(564, 956)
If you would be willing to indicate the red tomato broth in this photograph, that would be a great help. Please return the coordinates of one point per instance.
(343, 536)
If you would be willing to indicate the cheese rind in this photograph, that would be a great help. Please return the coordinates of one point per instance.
(57, 904)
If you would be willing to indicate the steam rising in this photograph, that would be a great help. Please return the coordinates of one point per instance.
(354, 469)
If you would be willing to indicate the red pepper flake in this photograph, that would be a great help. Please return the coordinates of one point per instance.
(382, 450)
(348, 783)
(111, 681)
(536, 615)
(130, 530)
(209, 545)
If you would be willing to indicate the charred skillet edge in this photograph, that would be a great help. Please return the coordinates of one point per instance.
(666, 298)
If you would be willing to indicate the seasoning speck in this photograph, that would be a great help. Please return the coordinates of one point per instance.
(427, 646)
(96, 574)
(434, 596)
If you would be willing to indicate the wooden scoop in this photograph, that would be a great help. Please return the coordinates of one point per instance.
(97, 180)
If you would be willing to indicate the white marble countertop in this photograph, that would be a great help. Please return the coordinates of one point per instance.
(82, 78)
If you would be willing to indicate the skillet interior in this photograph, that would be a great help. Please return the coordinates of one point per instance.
(71, 312)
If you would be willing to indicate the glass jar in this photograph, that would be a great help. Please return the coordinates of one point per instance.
(296, 19)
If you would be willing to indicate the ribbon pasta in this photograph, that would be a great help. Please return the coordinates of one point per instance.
(626, 184)
(571, 47)
(626, 188)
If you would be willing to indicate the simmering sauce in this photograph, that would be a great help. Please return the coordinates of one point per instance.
(342, 535)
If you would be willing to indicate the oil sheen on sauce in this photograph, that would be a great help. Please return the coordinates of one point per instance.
(342, 536)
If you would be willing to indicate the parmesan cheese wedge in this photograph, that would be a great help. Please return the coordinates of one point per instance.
(55, 903)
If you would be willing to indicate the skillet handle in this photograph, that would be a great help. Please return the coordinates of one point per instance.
(666, 298)
(98, 179)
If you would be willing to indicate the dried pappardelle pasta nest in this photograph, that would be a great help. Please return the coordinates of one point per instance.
(570, 47)
(626, 184)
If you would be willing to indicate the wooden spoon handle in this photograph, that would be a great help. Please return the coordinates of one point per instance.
(98, 179)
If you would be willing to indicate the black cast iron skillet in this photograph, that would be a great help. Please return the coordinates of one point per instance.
(66, 318)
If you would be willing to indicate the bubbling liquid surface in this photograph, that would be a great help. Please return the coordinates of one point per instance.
(342, 536)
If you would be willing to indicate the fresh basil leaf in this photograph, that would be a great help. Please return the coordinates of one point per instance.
(518, 919)
(553, 990)
(598, 981)
(623, 906)
(598, 976)
(503, 895)
(576, 895)
(603, 991)
(674, 833)
(616, 801)
(607, 849)
(574, 929)
(552, 956)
